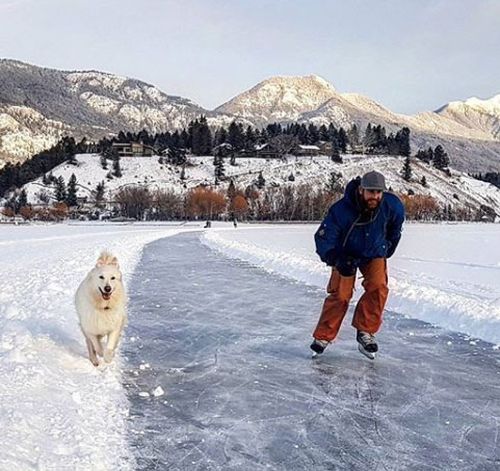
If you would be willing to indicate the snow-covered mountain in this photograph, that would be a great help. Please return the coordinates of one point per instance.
(312, 99)
(474, 113)
(39, 105)
(280, 99)
(459, 190)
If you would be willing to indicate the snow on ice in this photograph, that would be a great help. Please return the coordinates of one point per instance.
(59, 412)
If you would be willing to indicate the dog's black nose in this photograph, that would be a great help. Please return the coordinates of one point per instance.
(107, 288)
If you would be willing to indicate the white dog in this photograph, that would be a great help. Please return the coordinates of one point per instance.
(101, 306)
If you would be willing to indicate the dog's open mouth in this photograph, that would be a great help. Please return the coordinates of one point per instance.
(106, 296)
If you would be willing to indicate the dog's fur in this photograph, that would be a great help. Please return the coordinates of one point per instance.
(101, 313)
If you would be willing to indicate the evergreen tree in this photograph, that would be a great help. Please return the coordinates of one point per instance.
(323, 133)
(236, 136)
(333, 185)
(406, 172)
(423, 182)
(250, 138)
(117, 171)
(261, 181)
(312, 134)
(184, 140)
(219, 169)
(441, 159)
(403, 139)
(353, 136)
(176, 156)
(99, 193)
(336, 157)
(231, 190)
(104, 162)
(206, 143)
(22, 199)
(342, 139)
(60, 189)
(71, 191)
(220, 136)
(369, 139)
(291, 177)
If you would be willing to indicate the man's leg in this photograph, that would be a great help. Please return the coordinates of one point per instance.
(368, 313)
(339, 290)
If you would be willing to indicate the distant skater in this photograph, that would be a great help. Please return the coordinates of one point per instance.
(361, 231)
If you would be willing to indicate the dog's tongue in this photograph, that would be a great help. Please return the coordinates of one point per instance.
(106, 296)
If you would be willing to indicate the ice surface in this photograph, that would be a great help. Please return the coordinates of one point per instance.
(441, 273)
(228, 345)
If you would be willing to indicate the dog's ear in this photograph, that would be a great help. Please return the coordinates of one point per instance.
(107, 259)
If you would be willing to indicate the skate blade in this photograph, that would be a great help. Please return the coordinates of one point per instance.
(369, 355)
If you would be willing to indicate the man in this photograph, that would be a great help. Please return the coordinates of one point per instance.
(361, 231)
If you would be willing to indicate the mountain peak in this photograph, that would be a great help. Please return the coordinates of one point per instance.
(280, 98)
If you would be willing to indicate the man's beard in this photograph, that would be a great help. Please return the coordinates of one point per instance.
(371, 203)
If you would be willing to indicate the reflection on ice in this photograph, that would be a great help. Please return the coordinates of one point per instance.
(228, 346)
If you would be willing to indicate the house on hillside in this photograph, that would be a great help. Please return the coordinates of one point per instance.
(267, 151)
(223, 150)
(132, 149)
(306, 150)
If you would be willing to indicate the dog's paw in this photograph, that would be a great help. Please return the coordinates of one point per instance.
(94, 361)
(108, 355)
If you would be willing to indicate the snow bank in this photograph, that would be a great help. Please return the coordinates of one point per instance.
(445, 274)
(56, 410)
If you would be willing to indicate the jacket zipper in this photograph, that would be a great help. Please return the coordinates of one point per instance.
(355, 223)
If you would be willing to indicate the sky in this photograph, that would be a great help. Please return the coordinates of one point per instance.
(409, 55)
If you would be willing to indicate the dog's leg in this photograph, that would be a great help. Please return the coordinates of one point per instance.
(99, 349)
(92, 356)
(109, 351)
(96, 344)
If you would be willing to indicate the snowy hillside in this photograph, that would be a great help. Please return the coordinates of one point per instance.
(460, 190)
(39, 105)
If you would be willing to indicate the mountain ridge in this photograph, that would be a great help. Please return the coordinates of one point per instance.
(38, 105)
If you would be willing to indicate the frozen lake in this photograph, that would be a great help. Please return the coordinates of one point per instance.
(228, 345)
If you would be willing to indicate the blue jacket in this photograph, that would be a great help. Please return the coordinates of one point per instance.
(346, 232)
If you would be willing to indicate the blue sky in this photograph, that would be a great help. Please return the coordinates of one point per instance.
(410, 56)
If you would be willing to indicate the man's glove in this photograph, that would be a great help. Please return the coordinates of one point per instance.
(331, 258)
(347, 266)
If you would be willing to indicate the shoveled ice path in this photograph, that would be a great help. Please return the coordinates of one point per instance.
(228, 345)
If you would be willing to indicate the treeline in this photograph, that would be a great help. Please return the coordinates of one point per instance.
(16, 175)
(437, 157)
(489, 177)
(200, 139)
(256, 202)
(303, 203)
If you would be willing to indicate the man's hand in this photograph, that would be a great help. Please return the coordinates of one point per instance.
(347, 266)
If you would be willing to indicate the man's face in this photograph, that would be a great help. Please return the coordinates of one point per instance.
(371, 198)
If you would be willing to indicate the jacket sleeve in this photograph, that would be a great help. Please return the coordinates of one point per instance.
(395, 227)
(328, 238)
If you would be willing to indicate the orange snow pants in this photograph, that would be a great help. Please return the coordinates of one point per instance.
(368, 313)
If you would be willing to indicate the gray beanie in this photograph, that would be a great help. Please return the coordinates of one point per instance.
(373, 181)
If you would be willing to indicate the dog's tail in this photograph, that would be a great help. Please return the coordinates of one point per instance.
(106, 258)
